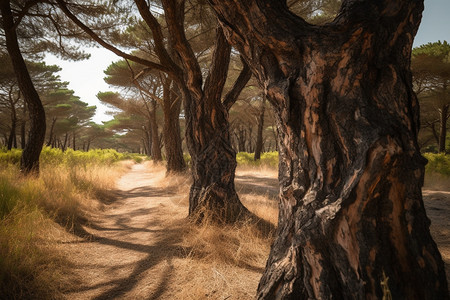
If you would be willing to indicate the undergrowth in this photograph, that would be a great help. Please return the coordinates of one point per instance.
(438, 163)
(36, 211)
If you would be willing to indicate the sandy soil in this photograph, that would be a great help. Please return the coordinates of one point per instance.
(129, 243)
(136, 245)
(437, 204)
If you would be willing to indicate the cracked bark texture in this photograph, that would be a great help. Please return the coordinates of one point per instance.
(350, 169)
(213, 160)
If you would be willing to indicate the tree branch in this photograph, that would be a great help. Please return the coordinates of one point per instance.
(108, 46)
(239, 84)
(217, 76)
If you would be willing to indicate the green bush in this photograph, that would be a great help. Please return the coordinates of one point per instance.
(10, 157)
(268, 159)
(70, 157)
(438, 163)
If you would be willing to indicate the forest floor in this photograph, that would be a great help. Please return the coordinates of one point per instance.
(140, 245)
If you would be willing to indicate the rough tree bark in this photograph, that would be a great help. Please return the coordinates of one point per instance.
(171, 129)
(212, 193)
(350, 171)
(29, 162)
(213, 160)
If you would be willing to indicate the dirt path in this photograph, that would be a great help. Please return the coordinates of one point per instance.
(437, 204)
(132, 248)
(137, 252)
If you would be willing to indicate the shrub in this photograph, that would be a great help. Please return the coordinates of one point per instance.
(268, 159)
(10, 157)
(70, 157)
(438, 163)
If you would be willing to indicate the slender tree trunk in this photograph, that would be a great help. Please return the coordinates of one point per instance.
(259, 134)
(73, 141)
(23, 127)
(351, 212)
(156, 148)
(12, 140)
(66, 137)
(148, 140)
(12, 134)
(30, 156)
(443, 117)
(52, 127)
(171, 130)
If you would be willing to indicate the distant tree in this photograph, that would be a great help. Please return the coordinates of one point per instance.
(37, 27)
(135, 115)
(259, 135)
(29, 162)
(351, 213)
(431, 73)
(144, 92)
(45, 81)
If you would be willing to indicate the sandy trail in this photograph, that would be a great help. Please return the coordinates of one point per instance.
(130, 254)
(137, 242)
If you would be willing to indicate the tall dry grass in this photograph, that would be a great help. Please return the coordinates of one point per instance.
(37, 212)
(218, 261)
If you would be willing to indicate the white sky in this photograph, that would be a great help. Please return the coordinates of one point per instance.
(86, 77)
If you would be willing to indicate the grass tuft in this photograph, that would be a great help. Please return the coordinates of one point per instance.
(35, 212)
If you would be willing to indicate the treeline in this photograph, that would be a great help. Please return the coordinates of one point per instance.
(136, 117)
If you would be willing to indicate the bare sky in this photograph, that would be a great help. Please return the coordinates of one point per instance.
(86, 77)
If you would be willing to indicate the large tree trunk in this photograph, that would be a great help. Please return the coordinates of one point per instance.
(171, 130)
(443, 117)
(30, 156)
(212, 195)
(351, 211)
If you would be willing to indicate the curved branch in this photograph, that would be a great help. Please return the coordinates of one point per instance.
(239, 84)
(217, 76)
(108, 46)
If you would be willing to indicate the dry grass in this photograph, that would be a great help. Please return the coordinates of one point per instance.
(216, 262)
(40, 259)
(148, 249)
(29, 265)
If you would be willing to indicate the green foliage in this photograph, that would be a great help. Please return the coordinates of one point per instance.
(439, 50)
(10, 157)
(70, 157)
(438, 163)
(268, 159)
(187, 159)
